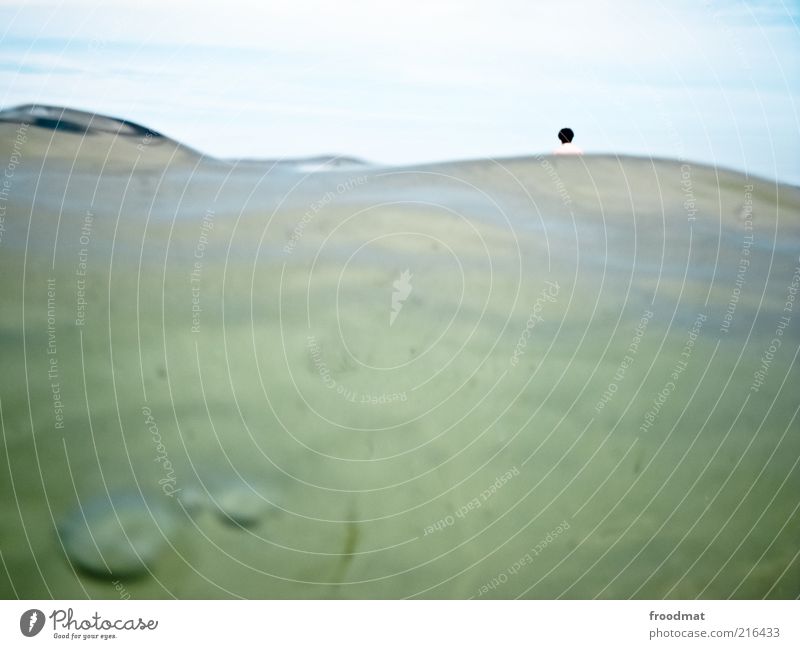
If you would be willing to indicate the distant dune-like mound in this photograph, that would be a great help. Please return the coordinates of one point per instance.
(70, 120)
(56, 133)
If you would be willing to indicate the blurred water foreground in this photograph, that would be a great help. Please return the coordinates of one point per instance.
(530, 377)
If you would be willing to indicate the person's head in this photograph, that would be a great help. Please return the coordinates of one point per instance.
(565, 135)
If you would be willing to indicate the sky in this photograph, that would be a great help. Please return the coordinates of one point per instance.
(712, 81)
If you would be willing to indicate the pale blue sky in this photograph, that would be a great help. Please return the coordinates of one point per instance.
(714, 81)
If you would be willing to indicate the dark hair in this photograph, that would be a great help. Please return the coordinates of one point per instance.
(565, 135)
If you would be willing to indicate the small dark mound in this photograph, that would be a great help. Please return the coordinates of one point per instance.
(58, 125)
(70, 120)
